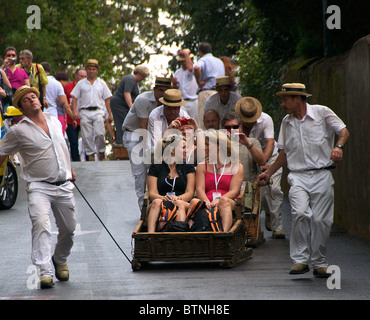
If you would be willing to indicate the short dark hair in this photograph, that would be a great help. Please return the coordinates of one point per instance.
(61, 76)
(46, 66)
(205, 47)
(10, 49)
(229, 116)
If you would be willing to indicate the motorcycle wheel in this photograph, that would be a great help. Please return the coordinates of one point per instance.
(9, 190)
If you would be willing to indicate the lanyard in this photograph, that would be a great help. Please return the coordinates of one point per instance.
(214, 171)
(173, 184)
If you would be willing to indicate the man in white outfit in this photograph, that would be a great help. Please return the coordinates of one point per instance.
(306, 140)
(184, 80)
(161, 117)
(258, 124)
(135, 132)
(93, 96)
(46, 168)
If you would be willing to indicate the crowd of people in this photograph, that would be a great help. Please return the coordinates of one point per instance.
(181, 139)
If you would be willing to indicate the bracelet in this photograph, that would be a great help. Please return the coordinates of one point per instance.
(250, 147)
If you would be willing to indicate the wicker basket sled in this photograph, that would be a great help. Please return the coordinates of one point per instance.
(228, 248)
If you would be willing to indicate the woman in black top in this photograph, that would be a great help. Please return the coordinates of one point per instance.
(172, 180)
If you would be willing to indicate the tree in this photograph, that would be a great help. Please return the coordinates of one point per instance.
(113, 32)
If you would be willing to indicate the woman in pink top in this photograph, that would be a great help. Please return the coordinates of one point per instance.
(219, 179)
(17, 77)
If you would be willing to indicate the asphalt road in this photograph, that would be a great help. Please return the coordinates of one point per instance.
(99, 271)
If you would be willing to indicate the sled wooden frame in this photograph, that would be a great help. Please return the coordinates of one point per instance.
(227, 248)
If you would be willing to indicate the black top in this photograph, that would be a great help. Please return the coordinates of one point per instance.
(162, 170)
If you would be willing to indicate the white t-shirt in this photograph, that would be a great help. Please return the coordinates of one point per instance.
(142, 107)
(214, 103)
(54, 89)
(187, 84)
(264, 129)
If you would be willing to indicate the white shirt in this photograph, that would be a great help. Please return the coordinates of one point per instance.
(43, 158)
(214, 103)
(187, 84)
(91, 95)
(308, 142)
(157, 124)
(142, 107)
(54, 89)
(211, 68)
(264, 129)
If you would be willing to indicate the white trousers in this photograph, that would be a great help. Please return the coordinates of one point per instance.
(272, 197)
(43, 198)
(139, 170)
(92, 125)
(311, 197)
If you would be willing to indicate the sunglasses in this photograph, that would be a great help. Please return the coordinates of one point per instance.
(236, 126)
(11, 55)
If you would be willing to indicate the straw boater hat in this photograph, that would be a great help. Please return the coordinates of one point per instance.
(92, 62)
(180, 57)
(293, 89)
(223, 81)
(21, 91)
(249, 109)
(172, 98)
(162, 81)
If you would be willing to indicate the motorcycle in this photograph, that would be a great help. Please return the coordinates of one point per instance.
(8, 172)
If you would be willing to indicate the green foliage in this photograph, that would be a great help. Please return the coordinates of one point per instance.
(73, 31)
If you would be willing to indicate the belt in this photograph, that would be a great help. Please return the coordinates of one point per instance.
(315, 169)
(91, 108)
(58, 183)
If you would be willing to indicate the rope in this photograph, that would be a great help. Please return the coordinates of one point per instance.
(102, 223)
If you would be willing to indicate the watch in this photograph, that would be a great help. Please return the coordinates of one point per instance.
(339, 146)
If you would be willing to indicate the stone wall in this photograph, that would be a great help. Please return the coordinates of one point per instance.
(343, 84)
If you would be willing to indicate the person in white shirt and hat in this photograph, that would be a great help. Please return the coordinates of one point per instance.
(161, 117)
(46, 168)
(258, 124)
(225, 100)
(93, 96)
(306, 140)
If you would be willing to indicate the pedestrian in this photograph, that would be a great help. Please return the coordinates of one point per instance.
(73, 126)
(16, 76)
(92, 95)
(36, 73)
(306, 140)
(56, 97)
(224, 100)
(63, 78)
(185, 81)
(206, 70)
(211, 119)
(258, 124)
(135, 132)
(124, 97)
(161, 117)
(46, 168)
